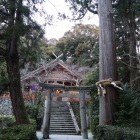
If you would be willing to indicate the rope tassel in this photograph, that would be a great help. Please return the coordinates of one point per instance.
(103, 83)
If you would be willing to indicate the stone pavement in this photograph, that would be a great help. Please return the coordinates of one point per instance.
(64, 137)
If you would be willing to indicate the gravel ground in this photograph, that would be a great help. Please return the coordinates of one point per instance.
(64, 137)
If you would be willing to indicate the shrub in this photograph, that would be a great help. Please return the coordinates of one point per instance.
(35, 109)
(94, 124)
(107, 132)
(128, 107)
(10, 131)
(6, 121)
(18, 132)
(90, 79)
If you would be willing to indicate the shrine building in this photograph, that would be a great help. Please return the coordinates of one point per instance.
(54, 73)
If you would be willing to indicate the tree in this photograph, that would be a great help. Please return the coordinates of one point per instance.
(15, 22)
(79, 8)
(12, 59)
(107, 61)
(80, 45)
(30, 47)
(3, 77)
(126, 34)
(132, 50)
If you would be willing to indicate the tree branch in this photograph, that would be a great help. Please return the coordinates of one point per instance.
(129, 65)
(2, 36)
(2, 12)
(89, 7)
(2, 52)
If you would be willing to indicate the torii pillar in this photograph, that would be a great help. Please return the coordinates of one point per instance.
(83, 115)
(47, 115)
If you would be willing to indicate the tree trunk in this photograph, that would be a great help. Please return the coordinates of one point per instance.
(132, 49)
(15, 88)
(12, 60)
(107, 61)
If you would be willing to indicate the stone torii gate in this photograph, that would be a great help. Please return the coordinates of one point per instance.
(82, 90)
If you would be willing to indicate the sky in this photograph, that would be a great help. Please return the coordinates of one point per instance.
(59, 27)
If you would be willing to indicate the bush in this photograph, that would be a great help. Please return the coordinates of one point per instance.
(11, 131)
(94, 124)
(94, 111)
(6, 121)
(90, 79)
(18, 132)
(107, 132)
(35, 109)
(128, 107)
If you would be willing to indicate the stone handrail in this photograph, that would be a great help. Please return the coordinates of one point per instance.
(73, 117)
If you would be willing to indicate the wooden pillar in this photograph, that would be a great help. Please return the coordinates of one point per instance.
(47, 115)
(83, 115)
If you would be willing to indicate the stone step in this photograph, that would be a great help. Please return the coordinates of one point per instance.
(58, 104)
(60, 117)
(62, 128)
(60, 112)
(61, 125)
(65, 115)
(61, 121)
(62, 133)
(59, 108)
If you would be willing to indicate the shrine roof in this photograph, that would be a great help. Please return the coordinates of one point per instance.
(53, 64)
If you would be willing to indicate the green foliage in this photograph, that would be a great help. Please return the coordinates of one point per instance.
(6, 121)
(90, 79)
(79, 45)
(94, 111)
(3, 77)
(108, 132)
(29, 47)
(11, 131)
(128, 107)
(18, 132)
(79, 8)
(35, 109)
(124, 13)
(76, 109)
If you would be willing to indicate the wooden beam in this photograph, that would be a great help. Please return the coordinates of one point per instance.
(66, 88)
(69, 95)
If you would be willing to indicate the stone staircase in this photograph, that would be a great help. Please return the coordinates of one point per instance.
(61, 121)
